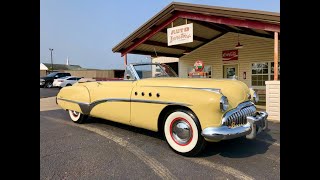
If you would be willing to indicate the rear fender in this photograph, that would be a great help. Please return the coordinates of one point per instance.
(76, 98)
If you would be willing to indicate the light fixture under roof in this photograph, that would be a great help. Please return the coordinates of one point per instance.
(238, 46)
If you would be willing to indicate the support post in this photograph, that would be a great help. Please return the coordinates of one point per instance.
(125, 60)
(275, 70)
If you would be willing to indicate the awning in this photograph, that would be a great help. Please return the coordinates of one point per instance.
(209, 23)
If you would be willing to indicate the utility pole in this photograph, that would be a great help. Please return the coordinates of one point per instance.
(51, 59)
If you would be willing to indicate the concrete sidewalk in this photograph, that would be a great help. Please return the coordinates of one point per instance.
(47, 104)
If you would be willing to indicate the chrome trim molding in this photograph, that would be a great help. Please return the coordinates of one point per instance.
(254, 126)
(87, 107)
(216, 90)
(159, 102)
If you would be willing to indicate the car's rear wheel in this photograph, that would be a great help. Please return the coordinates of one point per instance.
(182, 131)
(77, 117)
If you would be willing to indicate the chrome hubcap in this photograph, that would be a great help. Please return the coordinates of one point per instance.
(181, 132)
(74, 113)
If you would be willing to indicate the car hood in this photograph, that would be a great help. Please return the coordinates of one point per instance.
(236, 91)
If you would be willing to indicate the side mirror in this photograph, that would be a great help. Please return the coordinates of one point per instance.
(128, 76)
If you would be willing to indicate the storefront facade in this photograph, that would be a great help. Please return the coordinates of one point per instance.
(254, 65)
(231, 43)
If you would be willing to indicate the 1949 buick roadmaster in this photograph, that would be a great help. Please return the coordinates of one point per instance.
(187, 111)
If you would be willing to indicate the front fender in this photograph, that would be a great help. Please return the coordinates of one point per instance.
(205, 104)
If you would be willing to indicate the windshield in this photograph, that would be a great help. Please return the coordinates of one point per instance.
(154, 70)
(51, 74)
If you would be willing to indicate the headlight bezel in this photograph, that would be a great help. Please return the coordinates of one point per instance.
(224, 103)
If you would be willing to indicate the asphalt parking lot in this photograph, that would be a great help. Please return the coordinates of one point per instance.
(103, 149)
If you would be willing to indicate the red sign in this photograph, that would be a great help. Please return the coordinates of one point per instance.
(198, 66)
(229, 55)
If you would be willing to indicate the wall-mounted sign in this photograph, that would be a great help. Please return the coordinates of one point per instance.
(198, 66)
(230, 55)
(180, 34)
(199, 71)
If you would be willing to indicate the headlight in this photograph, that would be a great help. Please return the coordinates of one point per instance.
(224, 104)
(42, 80)
(255, 97)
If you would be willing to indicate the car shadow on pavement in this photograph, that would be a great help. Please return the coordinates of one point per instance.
(146, 132)
(239, 147)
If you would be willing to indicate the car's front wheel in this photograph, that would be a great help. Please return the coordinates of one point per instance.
(77, 117)
(48, 84)
(182, 131)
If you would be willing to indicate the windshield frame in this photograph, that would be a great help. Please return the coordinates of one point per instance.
(137, 77)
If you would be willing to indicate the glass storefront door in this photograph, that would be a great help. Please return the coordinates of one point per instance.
(230, 71)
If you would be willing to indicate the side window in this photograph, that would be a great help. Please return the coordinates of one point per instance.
(128, 75)
(59, 75)
(72, 79)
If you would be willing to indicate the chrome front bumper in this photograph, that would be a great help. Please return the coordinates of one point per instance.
(255, 124)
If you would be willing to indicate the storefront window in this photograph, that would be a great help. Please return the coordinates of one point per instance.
(263, 71)
(259, 74)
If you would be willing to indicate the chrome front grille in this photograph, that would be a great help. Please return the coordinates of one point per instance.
(238, 116)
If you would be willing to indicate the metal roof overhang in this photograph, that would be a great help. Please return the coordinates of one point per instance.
(210, 23)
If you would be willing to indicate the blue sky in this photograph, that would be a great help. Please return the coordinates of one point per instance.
(87, 30)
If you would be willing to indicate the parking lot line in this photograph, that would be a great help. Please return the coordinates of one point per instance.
(269, 142)
(152, 163)
(225, 169)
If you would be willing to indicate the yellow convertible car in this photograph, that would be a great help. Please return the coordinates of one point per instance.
(187, 111)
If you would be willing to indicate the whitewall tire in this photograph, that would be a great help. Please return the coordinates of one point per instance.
(77, 117)
(182, 131)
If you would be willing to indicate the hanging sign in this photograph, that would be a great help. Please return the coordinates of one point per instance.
(180, 34)
(230, 55)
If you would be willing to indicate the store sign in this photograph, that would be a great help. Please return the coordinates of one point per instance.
(198, 66)
(229, 55)
(180, 34)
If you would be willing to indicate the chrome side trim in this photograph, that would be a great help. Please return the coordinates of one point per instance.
(159, 102)
(87, 107)
(72, 101)
(238, 108)
(216, 90)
